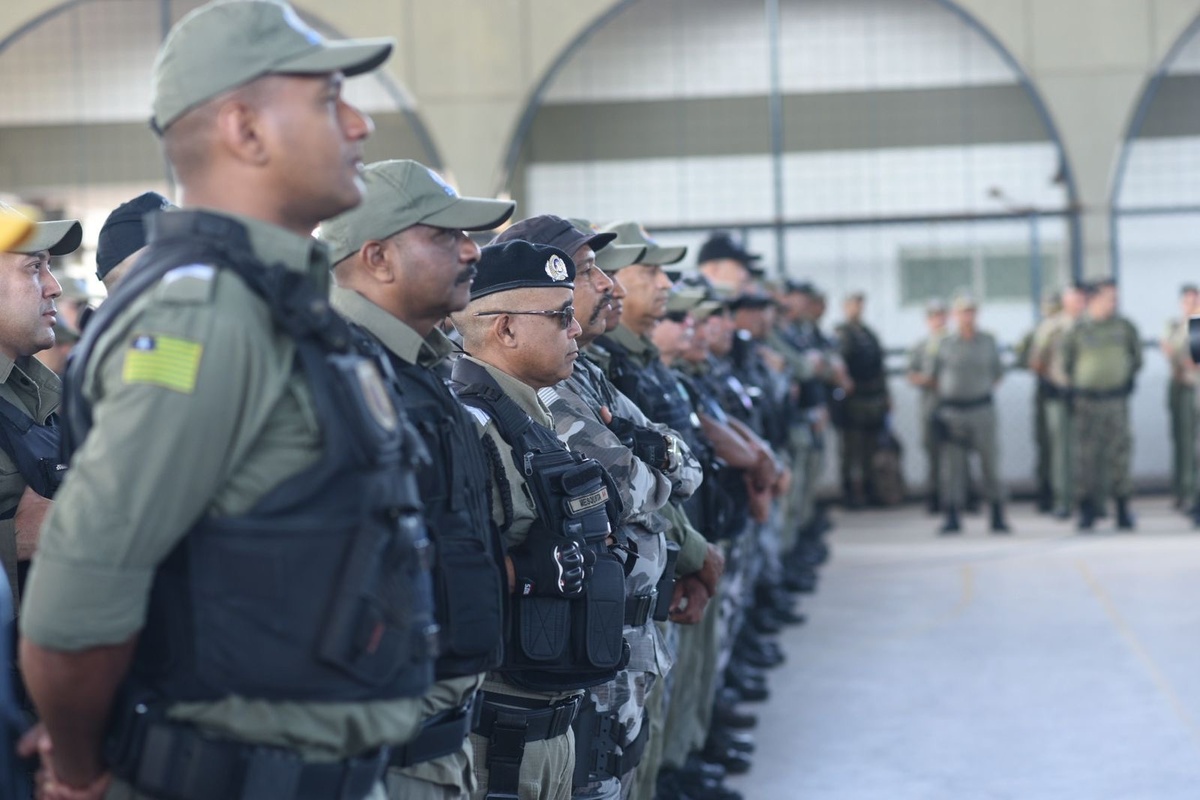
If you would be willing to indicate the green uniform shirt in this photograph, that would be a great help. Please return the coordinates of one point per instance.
(1102, 355)
(37, 391)
(966, 369)
(1178, 346)
(1047, 347)
(920, 359)
(406, 344)
(230, 419)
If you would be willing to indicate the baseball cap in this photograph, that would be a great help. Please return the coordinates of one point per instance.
(228, 43)
(59, 237)
(556, 232)
(521, 265)
(631, 233)
(614, 256)
(124, 232)
(721, 245)
(935, 306)
(403, 193)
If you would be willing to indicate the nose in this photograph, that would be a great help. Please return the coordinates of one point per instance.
(604, 283)
(618, 288)
(51, 288)
(662, 281)
(574, 330)
(470, 251)
(356, 124)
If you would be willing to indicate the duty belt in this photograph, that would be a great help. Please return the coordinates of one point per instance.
(962, 405)
(597, 739)
(168, 759)
(1102, 394)
(639, 608)
(440, 735)
(509, 723)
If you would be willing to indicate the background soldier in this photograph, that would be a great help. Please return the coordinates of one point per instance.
(1181, 400)
(964, 371)
(919, 369)
(1046, 362)
(1101, 357)
(1024, 350)
(860, 415)
(123, 237)
(402, 262)
(266, 453)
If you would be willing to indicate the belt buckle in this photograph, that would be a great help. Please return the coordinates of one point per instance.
(565, 712)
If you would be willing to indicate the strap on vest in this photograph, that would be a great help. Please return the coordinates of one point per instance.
(598, 736)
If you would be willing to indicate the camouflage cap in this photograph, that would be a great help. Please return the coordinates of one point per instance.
(228, 43)
(631, 233)
(400, 194)
(58, 237)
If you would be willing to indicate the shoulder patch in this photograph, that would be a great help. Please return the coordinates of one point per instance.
(192, 283)
(548, 396)
(166, 361)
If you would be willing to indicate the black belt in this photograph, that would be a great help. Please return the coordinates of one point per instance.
(509, 723)
(1051, 391)
(440, 735)
(961, 405)
(639, 608)
(1102, 394)
(178, 761)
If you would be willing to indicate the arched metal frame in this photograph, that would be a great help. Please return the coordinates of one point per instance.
(1133, 132)
(536, 97)
(403, 101)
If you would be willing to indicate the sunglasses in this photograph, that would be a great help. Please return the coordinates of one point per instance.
(678, 317)
(566, 315)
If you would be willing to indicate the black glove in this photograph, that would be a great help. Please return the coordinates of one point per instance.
(558, 570)
(647, 444)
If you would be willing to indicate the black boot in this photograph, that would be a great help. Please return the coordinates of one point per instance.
(998, 523)
(1087, 516)
(1045, 499)
(951, 525)
(1125, 520)
(933, 503)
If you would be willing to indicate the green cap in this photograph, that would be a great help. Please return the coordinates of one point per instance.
(228, 43)
(634, 234)
(614, 256)
(401, 194)
(72, 288)
(686, 298)
(59, 237)
(963, 301)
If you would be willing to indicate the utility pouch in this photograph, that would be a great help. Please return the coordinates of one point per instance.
(368, 632)
(666, 584)
(469, 629)
(604, 614)
(543, 627)
(374, 419)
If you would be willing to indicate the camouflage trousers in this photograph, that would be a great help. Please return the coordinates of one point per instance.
(626, 697)
(969, 430)
(742, 568)
(1103, 446)
(1041, 440)
(1058, 428)
(807, 451)
(931, 445)
(658, 703)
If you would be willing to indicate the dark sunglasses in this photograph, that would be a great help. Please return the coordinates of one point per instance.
(566, 315)
(678, 317)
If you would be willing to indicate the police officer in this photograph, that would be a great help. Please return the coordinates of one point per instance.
(123, 237)
(727, 264)
(1181, 399)
(919, 358)
(964, 371)
(251, 615)
(649, 465)
(861, 414)
(403, 261)
(29, 391)
(557, 513)
(1023, 351)
(1046, 361)
(1102, 354)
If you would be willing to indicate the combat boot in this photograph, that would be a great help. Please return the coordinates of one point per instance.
(1087, 516)
(1125, 519)
(998, 523)
(1045, 499)
(951, 526)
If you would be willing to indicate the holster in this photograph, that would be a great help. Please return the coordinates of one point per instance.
(666, 584)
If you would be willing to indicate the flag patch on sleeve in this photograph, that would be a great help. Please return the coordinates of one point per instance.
(163, 361)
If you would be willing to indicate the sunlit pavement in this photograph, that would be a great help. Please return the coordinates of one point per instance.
(1045, 664)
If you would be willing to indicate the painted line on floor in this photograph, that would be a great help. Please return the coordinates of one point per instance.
(1134, 643)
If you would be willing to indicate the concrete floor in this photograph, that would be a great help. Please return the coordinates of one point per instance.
(1044, 665)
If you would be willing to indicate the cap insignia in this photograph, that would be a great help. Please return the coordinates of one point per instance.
(556, 268)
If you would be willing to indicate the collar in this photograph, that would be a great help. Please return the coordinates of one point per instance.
(275, 245)
(6, 367)
(522, 394)
(633, 342)
(44, 397)
(395, 334)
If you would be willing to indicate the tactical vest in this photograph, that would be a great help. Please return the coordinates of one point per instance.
(725, 503)
(321, 591)
(34, 448)
(864, 359)
(556, 643)
(763, 388)
(468, 556)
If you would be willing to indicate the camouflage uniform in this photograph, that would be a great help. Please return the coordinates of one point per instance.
(1101, 359)
(1181, 402)
(1053, 383)
(575, 405)
(920, 361)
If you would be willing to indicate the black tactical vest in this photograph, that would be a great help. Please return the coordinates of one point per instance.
(468, 556)
(34, 448)
(554, 643)
(321, 592)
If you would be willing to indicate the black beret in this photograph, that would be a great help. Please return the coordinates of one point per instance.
(124, 232)
(521, 265)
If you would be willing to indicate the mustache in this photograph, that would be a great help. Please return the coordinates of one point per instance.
(606, 302)
(467, 275)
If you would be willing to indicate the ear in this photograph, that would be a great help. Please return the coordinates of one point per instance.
(373, 254)
(239, 130)
(504, 332)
